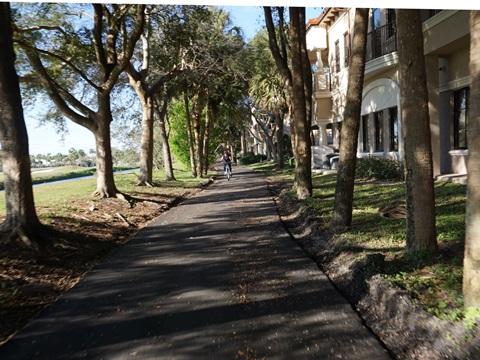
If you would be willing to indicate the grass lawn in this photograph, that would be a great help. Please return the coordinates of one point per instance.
(52, 198)
(49, 174)
(434, 280)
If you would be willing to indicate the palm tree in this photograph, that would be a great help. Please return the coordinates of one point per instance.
(420, 197)
(342, 208)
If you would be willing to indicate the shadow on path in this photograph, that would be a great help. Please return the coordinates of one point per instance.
(215, 278)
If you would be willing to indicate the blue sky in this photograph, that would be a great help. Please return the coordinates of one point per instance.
(45, 140)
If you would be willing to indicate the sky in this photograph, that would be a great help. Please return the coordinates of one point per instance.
(45, 140)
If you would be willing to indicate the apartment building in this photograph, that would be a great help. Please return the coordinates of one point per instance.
(446, 41)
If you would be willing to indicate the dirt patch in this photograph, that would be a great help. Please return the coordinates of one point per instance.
(403, 325)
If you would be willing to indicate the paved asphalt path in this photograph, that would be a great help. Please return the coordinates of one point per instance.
(216, 277)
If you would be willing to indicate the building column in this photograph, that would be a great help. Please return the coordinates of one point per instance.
(432, 66)
(323, 134)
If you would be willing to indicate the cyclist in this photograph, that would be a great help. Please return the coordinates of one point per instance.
(227, 161)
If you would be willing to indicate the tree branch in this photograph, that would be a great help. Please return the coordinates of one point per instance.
(127, 55)
(280, 61)
(63, 60)
(55, 91)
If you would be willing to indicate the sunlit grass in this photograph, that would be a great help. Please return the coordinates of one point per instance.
(56, 196)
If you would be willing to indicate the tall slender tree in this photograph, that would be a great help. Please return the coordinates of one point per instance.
(21, 218)
(471, 268)
(298, 82)
(420, 197)
(342, 208)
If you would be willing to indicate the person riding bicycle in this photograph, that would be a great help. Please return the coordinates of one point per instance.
(226, 160)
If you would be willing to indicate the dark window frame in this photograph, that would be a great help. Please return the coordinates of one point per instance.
(393, 122)
(391, 22)
(337, 56)
(346, 47)
(378, 126)
(460, 118)
(365, 133)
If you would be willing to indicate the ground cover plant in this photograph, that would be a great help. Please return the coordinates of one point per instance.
(82, 229)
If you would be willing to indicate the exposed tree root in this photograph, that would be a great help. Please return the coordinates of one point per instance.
(140, 182)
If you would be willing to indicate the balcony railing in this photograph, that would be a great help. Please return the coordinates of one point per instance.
(381, 41)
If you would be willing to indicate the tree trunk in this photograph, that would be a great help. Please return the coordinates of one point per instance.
(420, 197)
(167, 155)
(471, 269)
(146, 148)
(303, 170)
(342, 207)
(21, 218)
(191, 146)
(209, 118)
(280, 142)
(105, 179)
(197, 132)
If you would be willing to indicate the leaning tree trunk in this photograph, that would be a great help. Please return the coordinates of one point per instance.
(303, 171)
(471, 268)
(420, 197)
(342, 207)
(21, 218)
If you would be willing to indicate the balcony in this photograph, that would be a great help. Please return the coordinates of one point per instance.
(381, 41)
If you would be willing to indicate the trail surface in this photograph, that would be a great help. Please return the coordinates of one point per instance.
(217, 277)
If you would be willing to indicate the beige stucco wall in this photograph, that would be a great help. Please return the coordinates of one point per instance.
(447, 58)
(442, 32)
(335, 33)
(323, 109)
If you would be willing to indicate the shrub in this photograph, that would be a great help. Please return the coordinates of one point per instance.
(379, 168)
(251, 159)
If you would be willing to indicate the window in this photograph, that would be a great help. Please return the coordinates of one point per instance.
(365, 134)
(346, 45)
(393, 117)
(391, 22)
(337, 56)
(460, 118)
(378, 123)
(329, 134)
(375, 18)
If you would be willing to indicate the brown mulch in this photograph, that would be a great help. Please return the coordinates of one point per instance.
(31, 280)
